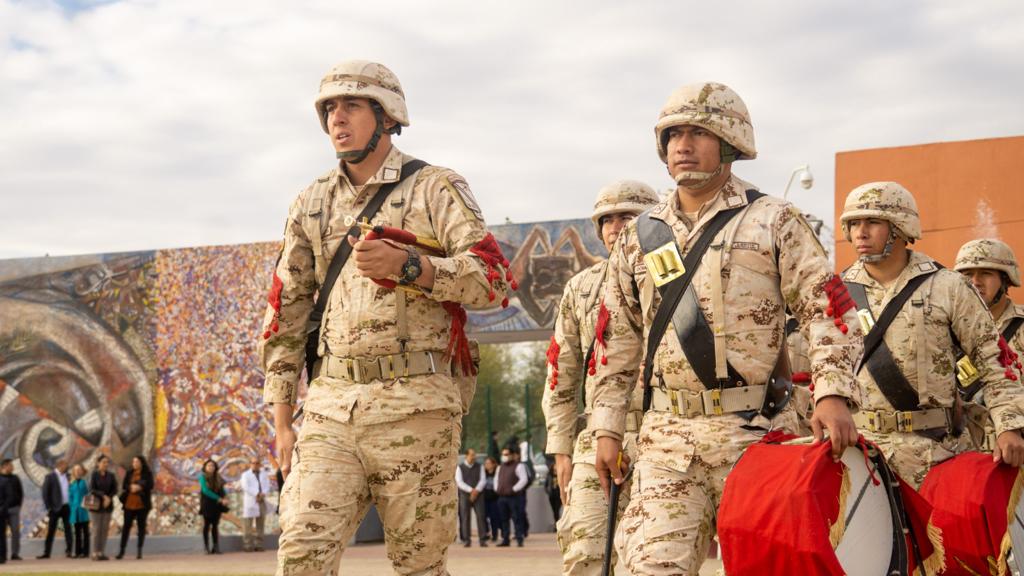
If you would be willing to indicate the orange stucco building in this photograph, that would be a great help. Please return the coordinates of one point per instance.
(964, 190)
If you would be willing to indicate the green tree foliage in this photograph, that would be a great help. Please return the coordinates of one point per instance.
(511, 371)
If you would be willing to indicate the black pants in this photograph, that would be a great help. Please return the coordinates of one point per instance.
(82, 539)
(211, 527)
(3, 536)
(511, 511)
(465, 508)
(64, 516)
(139, 517)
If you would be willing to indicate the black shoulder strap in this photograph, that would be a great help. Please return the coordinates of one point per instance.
(874, 337)
(650, 233)
(1011, 328)
(345, 250)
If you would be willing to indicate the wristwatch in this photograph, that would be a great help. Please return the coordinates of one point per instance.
(412, 269)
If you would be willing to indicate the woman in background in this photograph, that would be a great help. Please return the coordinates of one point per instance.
(136, 494)
(79, 517)
(212, 503)
(102, 484)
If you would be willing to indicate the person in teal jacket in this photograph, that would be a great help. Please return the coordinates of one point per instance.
(212, 503)
(79, 516)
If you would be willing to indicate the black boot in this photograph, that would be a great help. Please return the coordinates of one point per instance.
(120, 554)
(206, 541)
(216, 540)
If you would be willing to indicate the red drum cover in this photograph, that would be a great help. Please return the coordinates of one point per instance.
(974, 499)
(780, 508)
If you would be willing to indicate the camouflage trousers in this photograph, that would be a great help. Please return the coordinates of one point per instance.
(406, 468)
(677, 487)
(911, 455)
(582, 527)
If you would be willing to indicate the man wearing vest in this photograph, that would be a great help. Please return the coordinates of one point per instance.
(382, 410)
(711, 349)
(918, 314)
(581, 529)
(510, 481)
(469, 477)
(992, 268)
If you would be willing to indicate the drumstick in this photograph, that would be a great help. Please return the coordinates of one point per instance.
(613, 507)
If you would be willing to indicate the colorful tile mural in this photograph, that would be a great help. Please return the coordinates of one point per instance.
(154, 353)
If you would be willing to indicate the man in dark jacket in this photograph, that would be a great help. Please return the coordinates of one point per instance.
(5, 499)
(55, 498)
(12, 517)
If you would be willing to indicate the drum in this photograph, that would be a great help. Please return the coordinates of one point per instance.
(789, 509)
(978, 507)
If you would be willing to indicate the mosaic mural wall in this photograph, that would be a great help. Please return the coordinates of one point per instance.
(154, 353)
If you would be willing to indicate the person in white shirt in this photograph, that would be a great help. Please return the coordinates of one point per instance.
(255, 484)
(509, 483)
(470, 479)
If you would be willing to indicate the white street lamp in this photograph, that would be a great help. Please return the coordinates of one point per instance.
(806, 179)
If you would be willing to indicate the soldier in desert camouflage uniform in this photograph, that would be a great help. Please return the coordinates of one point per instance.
(765, 259)
(942, 314)
(581, 528)
(992, 268)
(382, 412)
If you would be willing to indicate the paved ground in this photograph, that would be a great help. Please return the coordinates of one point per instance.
(539, 557)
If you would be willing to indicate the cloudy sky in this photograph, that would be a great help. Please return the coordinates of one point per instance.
(153, 124)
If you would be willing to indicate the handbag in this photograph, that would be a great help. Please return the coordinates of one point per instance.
(92, 503)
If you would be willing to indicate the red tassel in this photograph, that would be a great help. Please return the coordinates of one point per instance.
(844, 328)
(266, 335)
(504, 302)
(801, 377)
(1006, 355)
(274, 327)
(592, 371)
(604, 360)
(552, 354)
(490, 253)
(839, 301)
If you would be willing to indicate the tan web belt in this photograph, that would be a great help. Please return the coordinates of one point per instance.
(633, 420)
(884, 421)
(709, 402)
(388, 367)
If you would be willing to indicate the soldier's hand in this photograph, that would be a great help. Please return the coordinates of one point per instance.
(563, 472)
(833, 414)
(1009, 448)
(284, 437)
(609, 467)
(377, 258)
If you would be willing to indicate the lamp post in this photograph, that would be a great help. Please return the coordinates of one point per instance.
(806, 179)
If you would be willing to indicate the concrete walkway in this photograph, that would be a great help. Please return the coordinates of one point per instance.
(539, 557)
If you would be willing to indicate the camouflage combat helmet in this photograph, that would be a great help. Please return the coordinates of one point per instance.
(370, 80)
(714, 107)
(628, 196)
(988, 253)
(887, 201)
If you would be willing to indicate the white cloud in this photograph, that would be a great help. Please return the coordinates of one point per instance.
(131, 125)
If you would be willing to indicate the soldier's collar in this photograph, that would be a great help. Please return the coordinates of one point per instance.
(390, 170)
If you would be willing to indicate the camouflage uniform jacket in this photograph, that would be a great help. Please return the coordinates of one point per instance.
(922, 345)
(361, 317)
(574, 333)
(769, 258)
(1009, 313)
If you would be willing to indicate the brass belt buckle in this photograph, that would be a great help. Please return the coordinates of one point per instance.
(867, 321)
(673, 398)
(664, 264)
(390, 371)
(716, 402)
(904, 421)
(405, 355)
(872, 424)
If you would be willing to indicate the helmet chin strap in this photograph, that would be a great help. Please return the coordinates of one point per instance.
(357, 156)
(876, 258)
(697, 181)
(1000, 294)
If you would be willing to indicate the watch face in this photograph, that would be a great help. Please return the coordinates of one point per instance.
(411, 271)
